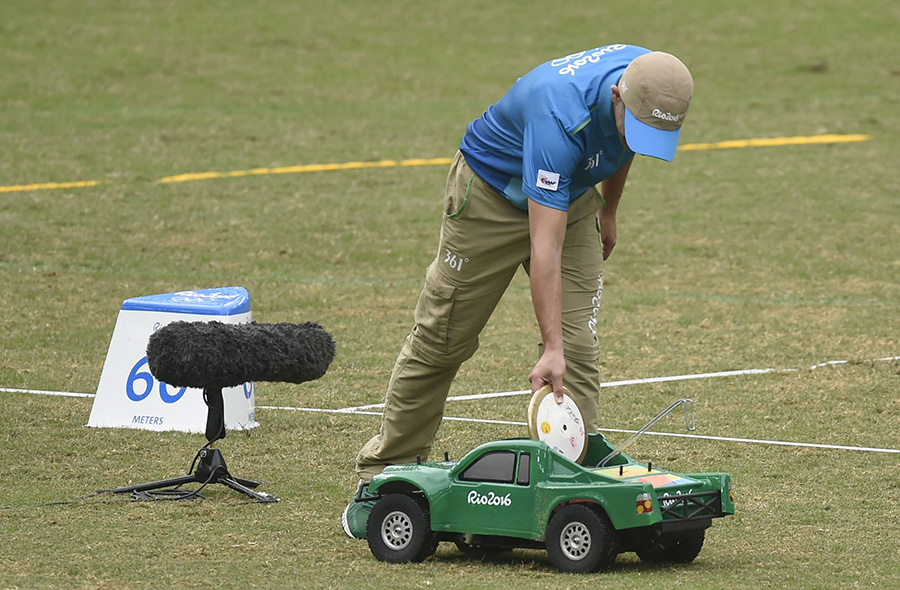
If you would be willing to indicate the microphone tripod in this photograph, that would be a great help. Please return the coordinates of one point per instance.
(209, 462)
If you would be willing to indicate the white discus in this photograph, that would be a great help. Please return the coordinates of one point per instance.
(561, 426)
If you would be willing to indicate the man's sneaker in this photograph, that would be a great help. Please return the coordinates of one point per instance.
(356, 514)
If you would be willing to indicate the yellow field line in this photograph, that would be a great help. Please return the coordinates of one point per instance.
(21, 188)
(773, 142)
(304, 168)
(192, 176)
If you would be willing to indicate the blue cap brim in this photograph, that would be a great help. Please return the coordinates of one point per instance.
(650, 141)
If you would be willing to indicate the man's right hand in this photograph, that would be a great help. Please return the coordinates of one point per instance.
(549, 370)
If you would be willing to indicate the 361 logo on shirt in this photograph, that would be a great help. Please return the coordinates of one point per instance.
(547, 180)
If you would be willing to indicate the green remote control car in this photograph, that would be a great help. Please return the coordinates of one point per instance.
(520, 493)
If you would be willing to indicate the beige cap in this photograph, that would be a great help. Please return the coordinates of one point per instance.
(657, 90)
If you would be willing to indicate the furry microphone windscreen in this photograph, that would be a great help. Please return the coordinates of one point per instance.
(214, 354)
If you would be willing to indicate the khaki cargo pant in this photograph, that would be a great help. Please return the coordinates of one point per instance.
(484, 240)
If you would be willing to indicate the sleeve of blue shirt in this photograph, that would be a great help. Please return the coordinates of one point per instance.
(549, 150)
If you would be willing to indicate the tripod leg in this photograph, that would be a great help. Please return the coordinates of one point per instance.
(250, 483)
(235, 484)
(153, 485)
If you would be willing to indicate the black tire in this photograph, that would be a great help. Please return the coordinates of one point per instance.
(675, 548)
(399, 529)
(580, 540)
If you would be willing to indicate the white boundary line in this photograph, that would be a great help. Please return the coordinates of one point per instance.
(647, 380)
(830, 363)
(478, 396)
(617, 430)
(367, 409)
(763, 441)
(43, 392)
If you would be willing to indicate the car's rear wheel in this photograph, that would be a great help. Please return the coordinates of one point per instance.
(399, 529)
(580, 540)
(674, 548)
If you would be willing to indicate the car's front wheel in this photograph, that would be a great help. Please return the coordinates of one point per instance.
(580, 540)
(399, 529)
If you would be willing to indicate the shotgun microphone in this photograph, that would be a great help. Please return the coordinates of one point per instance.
(211, 355)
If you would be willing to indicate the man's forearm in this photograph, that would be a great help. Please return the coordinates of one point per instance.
(548, 231)
(546, 296)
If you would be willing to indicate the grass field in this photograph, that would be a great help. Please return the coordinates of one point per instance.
(782, 257)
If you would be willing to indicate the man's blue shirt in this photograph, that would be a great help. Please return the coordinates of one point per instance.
(553, 134)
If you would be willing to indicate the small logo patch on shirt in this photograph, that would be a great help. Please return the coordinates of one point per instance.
(547, 180)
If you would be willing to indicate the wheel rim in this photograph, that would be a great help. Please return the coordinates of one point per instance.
(575, 541)
(396, 530)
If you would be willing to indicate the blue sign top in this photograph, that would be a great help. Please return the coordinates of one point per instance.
(223, 301)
